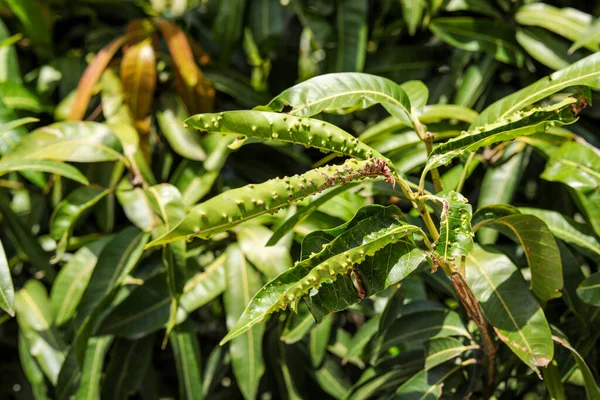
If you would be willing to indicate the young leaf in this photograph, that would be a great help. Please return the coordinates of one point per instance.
(223, 212)
(583, 72)
(67, 213)
(513, 312)
(541, 251)
(53, 167)
(138, 74)
(456, 236)
(89, 387)
(186, 351)
(245, 350)
(7, 291)
(589, 290)
(129, 362)
(281, 127)
(479, 34)
(71, 281)
(576, 165)
(536, 120)
(331, 92)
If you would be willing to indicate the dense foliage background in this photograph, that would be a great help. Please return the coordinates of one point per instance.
(96, 163)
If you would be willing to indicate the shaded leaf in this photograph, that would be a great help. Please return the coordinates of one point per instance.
(32, 370)
(589, 290)
(89, 387)
(242, 281)
(186, 351)
(272, 260)
(513, 312)
(351, 49)
(440, 350)
(7, 291)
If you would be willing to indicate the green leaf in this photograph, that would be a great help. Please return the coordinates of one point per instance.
(591, 388)
(456, 236)
(169, 117)
(332, 379)
(334, 259)
(36, 25)
(478, 6)
(272, 260)
(297, 325)
(551, 374)
(513, 312)
(7, 291)
(224, 211)
(412, 12)
(568, 230)
(575, 165)
(536, 120)
(32, 370)
(281, 127)
(69, 211)
(583, 72)
(442, 349)
(245, 350)
(53, 167)
(69, 141)
(9, 63)
(117, 259)
(361, 339)
(89, 387)
(590, 37)
(351, 49)
(186, 351)
(228, 25)
(589, 290)
(146, 309)
(541, 251)
(72, 280)
(567, 22)
(331, 92)
(17, 97)
(318, 341)
(545, 48)
(499, 186)
(129, 362)
(23, 239)
(419, 327)
(475, 80)
(426, 385)
(479, 34)
(43, 340)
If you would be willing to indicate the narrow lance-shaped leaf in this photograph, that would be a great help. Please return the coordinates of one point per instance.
(186, 351)
(591, 387)
(335, 260)
(589, 290)
(568, 230)
(35, 321)
(89, 387)
(536, 120)
(428, 384)
(182, 140)
(138, 74)
(129, 362)
(539, 245)
(584, 72)
(331, 92)
(590, 36)
(7, 291)
(32, 371)
(67, 213)
(53, 167)
(281, 127)
(456, 236)
(479, 34)
(222, 212)
(576, 165)
(351, 49)
(243, 281)
(440, 350)
(72, 280)
(506, 302)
